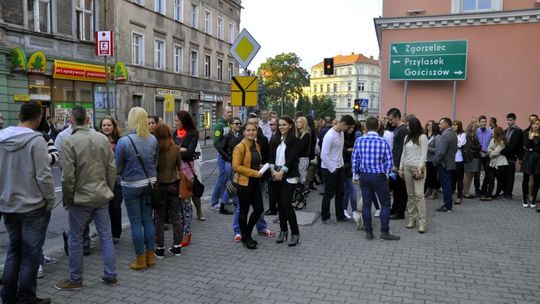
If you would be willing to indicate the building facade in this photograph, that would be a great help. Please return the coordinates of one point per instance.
(355, 77)
(502, 70)
(169, 55)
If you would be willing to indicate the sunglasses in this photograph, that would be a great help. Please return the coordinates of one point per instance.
(272, 124)
(236, 123)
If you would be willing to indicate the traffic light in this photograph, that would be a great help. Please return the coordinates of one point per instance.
(328, 66)
(356, 107)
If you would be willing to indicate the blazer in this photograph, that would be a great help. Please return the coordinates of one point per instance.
(241, 162)
(292, 153)
(445, 152)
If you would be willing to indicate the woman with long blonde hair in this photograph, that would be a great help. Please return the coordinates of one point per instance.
(531, 164)
(136, 161)
(303, 133)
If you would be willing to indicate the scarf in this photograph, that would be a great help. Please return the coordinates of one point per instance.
(181, 133)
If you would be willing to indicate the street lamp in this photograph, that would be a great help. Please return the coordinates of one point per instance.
(283, 95)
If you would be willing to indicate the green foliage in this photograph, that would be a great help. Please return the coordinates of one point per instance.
(303, 105)
(283, 78)
(323, 106)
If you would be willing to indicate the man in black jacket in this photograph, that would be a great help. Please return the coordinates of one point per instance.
(399, 190)
(513, 151)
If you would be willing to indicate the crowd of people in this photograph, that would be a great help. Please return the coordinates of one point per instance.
(283, 157)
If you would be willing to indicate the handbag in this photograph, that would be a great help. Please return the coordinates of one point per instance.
(186, 187)
(230, 185)
(154, 195)
(198, 187)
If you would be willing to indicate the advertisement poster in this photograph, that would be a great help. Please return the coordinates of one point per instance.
(62, 113)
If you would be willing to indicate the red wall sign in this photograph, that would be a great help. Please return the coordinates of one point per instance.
(104, 43)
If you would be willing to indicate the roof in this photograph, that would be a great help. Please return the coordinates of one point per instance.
(349, 59)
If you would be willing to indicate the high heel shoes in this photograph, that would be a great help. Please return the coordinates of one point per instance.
(282, 236)
(295, 239)
(249, 243)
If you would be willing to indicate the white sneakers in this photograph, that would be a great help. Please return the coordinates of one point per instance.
(347, 215)
(377, 213)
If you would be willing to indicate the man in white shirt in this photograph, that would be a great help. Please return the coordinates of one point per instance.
(264, 124)
(332, 169)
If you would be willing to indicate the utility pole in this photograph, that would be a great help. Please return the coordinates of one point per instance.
(107, 101)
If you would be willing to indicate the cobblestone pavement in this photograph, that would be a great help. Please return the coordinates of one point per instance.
(482, 252)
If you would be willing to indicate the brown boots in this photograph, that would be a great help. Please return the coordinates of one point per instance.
(150, 259)
(140, 263)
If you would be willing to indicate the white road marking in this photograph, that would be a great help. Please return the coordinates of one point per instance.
(209, 161)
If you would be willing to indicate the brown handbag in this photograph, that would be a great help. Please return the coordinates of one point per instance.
(186, 186)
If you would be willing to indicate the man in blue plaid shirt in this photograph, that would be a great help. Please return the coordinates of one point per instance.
(371, 162)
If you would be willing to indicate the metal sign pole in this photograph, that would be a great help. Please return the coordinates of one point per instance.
(406, 91)
(454, 101)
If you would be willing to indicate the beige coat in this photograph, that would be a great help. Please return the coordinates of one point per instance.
(496, 159)
(89, 169)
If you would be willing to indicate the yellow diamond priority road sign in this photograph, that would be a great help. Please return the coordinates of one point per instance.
(244, 48)
(244, 91)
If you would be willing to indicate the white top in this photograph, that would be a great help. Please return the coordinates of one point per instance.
(280, 160)
(461, 141)
(414, 155)
(389, 136)
(332, 150)
(266, 129)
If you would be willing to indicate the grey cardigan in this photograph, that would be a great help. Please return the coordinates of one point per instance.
(445, 152)
(432, 144)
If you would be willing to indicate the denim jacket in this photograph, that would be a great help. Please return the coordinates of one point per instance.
(127, 163)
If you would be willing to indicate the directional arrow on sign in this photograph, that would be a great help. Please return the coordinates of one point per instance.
(394, 49)
(458, 72)
(396, 61)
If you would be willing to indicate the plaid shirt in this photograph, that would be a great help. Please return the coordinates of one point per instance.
(371, 154)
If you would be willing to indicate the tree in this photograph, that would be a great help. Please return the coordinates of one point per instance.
(283, 79)
(323, 106)
(303, 105)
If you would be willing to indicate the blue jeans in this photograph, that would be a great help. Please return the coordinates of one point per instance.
(79, 217)
(373, 184)
(229, 172)
(446, 183)
(261, 223)
(221, 181)
(143, 231)
(349, 195)
(26, 232)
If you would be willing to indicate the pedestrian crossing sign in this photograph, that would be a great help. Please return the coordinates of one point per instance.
(364, 103)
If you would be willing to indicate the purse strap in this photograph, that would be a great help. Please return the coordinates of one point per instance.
(139, 158)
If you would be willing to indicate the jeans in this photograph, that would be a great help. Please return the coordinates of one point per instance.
(169, 194)
(143, 232)
(373, 184)
(221, 181)
(446, 184)
(79, 217)
(249, 195)
(261, 224)
(350, 195)
(26, 232)
(115, 211)
(333, 185)
(229, 173)
(457, 179)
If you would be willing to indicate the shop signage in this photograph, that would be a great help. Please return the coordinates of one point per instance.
(244, 48)
(169, 103)
(22, 97)
(37, 63)
(78, 71)
(18, 60)
(104, 43)
(244, 91)
(428, 60)
(120, 72)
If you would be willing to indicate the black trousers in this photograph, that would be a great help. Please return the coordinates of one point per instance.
(273, 196)
(284, 193)
(399, 191)
(249, 195)
(488, 177)
(457, 179)
(525, 186)
(510, 179)
(334, 185)
(501, 173)
(432, 180)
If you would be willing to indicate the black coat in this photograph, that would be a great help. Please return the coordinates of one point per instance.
(292, 152)
(513, 149)
(531, 156)
(189, 142)
(229, 142)
(305, 145)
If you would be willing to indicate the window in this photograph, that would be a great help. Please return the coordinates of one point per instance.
(39, 15)
(361, 70)
(220, 29)
(231, 71)
(159, 6)
(179, 10)
(231, 32)
(361, 86)
(194, 63)
(159, 54)
(137, 49)
(470, 6)
(372, 86)
(315, 89)
(327, 87)
(207, 66)
(321, 88)
(177, 59)
(220, 69)
(85, 20)
(349, 86)
(348, 102)
(335, 87)
(208, 22)
(350, 72)
(194, 19)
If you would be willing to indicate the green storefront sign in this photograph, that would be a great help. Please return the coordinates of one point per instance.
(428, 60)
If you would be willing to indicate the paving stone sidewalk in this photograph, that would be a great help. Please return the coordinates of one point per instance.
(482, 252)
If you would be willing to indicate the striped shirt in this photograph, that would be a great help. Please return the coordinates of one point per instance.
(371, 154)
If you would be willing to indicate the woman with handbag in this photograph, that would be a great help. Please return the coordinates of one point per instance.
(471, 158)
(169, 166)
(109, 127)
(412, 168)
(497, 162)
(246, 163)
(285, 149)
(136, 161)
(186, 137)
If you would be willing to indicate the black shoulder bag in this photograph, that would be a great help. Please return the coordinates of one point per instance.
(154, 195)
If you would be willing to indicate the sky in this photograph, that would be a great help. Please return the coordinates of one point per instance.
(313, 29)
